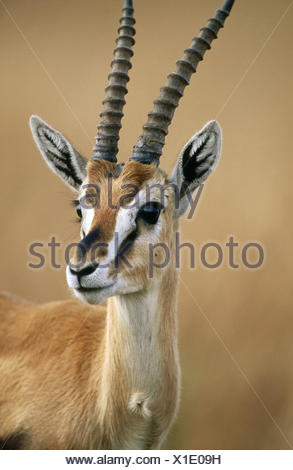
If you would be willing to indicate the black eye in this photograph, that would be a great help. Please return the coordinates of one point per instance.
(150, 212)
(78, 211)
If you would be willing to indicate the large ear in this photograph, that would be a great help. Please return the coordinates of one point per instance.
(196, 161)
(58, 153)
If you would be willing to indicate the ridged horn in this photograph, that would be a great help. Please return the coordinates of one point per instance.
(107, 137)
(149, 146)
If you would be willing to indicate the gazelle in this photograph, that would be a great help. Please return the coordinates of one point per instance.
(77, 376)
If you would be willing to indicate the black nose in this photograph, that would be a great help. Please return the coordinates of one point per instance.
(83, 270)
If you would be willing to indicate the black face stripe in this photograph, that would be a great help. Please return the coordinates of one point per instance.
(13, 442)
(87, 242)
(125, 246)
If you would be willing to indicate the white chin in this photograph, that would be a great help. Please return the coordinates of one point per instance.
(94, 296)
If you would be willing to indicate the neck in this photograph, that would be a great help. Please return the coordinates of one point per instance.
(140, 365)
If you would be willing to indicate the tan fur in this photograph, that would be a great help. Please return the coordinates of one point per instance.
(75, 376)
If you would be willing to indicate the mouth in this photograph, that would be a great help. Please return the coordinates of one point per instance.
(89, 289)
(92, 289)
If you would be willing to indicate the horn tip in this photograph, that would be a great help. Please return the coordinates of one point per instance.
(228, 5)
(128, 4)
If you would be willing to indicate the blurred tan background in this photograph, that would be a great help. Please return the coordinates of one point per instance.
(236, 331)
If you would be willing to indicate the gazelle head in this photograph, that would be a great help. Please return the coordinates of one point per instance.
(129, 212)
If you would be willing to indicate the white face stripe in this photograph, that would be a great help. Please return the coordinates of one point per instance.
(87, 213)
(125, 224)
(87, 219)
